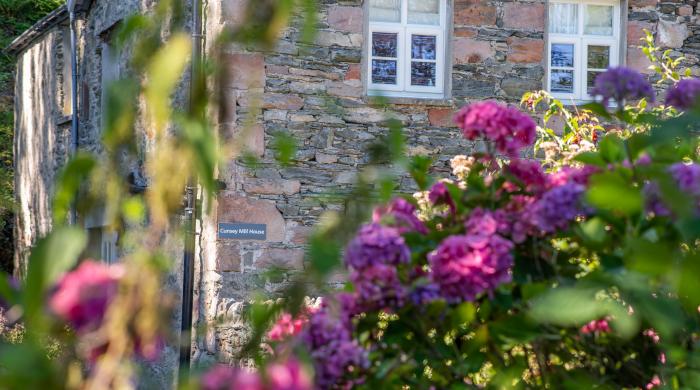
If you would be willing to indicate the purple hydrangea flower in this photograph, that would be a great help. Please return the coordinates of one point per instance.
(685, 94)
(378, 287)
(404, 216)
(654, 204)
(622, 84)
(377, 244)
(687, 176)
(425, 293)
(373, 257)
(558, 207)
(328, 338)
(467, 265)
(508, 128)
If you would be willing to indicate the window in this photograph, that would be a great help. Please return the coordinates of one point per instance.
(406, 50)
(102, 239)
(584, 39)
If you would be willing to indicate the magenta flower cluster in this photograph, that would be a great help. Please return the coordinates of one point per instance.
(508, 128)
(289, 375)
(622, 85)
(328, 338)
(465, 266)
(83, 296)
(439, 195)
(685, 94)
(372, 257)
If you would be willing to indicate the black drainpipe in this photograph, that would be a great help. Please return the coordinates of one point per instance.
(191, 206)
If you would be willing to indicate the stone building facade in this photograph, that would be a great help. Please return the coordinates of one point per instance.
(322, 94)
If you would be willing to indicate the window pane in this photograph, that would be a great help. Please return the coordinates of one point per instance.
(385, 11)
(384, 45)
(423, 47)
(562, 81)
(563, 55)
(563, 18)
(423, 73)
(598, 57)
(383, 72)
(424, 12)
(598, 20)
(590, 82)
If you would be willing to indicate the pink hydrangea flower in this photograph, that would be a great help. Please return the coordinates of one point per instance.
(289, 375)
(223, 377)
(529, 173)
(468, 265)
(655, 382)
(287, 326)
(509, 129)
(82, 296)
(571, 175)
(596, 326)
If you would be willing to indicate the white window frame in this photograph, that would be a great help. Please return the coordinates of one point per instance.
(405, 32)
(581, 42)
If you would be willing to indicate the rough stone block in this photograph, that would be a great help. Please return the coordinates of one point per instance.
(344, 89)
(643, 3)
(348, 19)
(289, 259)
(323, 158)
(336, 38)
(354, 72)
(233, 11)
(671, 34)
(441, 117)
(637, 60)
(525, 50)
(247, 70)
(635, 31)
(471, 51)
(248, 210)
(228, 257)
(272, 186)
(524, 16)
(474, 13)
(280, 101)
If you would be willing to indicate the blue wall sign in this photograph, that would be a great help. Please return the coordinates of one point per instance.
(242, 231)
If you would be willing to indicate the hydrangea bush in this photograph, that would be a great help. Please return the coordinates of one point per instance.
(516, 273)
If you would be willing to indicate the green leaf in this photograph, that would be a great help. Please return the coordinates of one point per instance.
(591, 158)
(419, 167)
(598, 108)
(69, 181)
(164, 72)
(612, 149)
(285, 147)
(324, 254)
(609, 191)
(593, 232)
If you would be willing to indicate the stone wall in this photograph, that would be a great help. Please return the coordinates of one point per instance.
(315, 92)
(42, 138)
